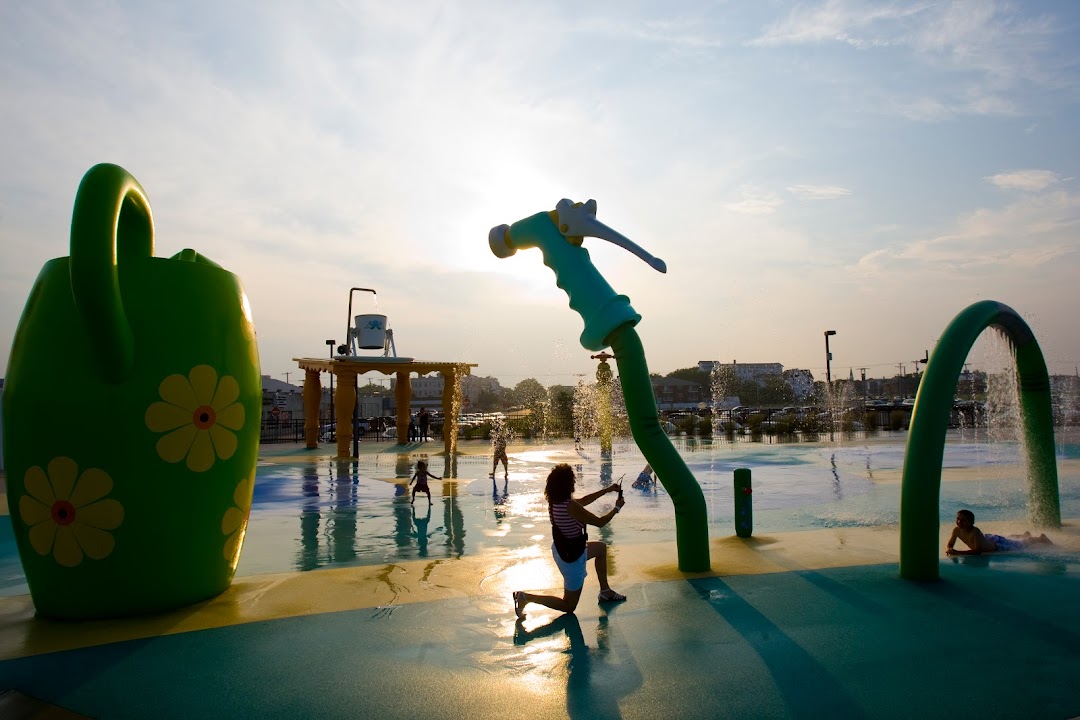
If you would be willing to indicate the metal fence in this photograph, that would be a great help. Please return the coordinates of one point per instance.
(281, 431)
(555, 426)
(292, 431)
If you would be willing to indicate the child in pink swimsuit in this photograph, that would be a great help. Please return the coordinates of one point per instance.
(420, 478)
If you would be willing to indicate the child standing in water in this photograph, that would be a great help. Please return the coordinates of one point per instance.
(420, 478)
(499, 437)
(980, 542)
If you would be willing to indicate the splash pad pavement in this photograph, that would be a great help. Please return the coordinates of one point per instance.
(351, 602)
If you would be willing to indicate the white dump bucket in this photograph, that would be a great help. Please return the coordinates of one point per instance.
(370, 331)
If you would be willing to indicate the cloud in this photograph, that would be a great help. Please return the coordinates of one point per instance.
(852, 23)
(929, 109)
(819, 192)
(990, 36)
(1026, 235)
(755, 201)
(965, 58)
(1029, 180)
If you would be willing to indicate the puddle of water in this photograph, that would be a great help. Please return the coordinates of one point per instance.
(321, 513)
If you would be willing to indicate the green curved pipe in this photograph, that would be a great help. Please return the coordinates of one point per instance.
(609, 321)
(920, 494)
(691, 518)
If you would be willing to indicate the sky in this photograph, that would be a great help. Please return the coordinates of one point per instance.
(871, 168)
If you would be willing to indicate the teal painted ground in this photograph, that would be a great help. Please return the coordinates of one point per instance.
(997, 640)
(997, 637)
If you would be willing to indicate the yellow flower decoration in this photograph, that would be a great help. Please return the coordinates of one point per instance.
(234, 522)
(70, 518)
(202, 415)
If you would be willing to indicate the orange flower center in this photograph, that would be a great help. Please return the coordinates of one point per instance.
(204, 417)
(63, 512)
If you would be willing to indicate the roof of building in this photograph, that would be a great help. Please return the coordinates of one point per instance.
(673, 381)
(270, 384)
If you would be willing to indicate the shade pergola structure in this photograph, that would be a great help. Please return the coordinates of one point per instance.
(346, 372)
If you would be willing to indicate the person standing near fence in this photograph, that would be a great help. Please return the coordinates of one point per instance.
(425, 422)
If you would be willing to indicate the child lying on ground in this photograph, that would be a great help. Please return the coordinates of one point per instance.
(645, 478)
(979, 542)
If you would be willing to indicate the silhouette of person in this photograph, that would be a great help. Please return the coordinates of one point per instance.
(584, 697)
(500, 435)
(425, 422)
(420, 477)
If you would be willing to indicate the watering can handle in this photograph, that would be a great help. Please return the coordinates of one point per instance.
(111, 221)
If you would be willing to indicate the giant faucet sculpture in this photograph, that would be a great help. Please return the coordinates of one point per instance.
(609, 322)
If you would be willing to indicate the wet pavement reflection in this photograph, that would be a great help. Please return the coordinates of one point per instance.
(328, 513)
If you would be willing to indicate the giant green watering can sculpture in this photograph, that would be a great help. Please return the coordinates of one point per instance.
(131, 417)
(921, 489)
(609, 322)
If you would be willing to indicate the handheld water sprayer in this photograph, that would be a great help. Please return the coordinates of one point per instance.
(559, 235)
(609, 322)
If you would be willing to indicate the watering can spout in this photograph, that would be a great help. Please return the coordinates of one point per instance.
(189, 255)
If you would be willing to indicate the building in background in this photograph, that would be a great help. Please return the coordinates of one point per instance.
(281, 400)
(676, 394)
(742, 371)
(800, 381)
(427, 388)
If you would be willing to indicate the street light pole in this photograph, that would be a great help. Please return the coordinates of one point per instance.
(330, 344)
(925, 359)
(828, 359)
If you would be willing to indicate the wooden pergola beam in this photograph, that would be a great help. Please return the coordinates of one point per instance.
(346, 372)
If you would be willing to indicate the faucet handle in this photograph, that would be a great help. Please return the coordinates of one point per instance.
(576, 221)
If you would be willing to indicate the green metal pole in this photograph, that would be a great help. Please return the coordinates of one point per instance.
(744, 506)
(691, 517)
